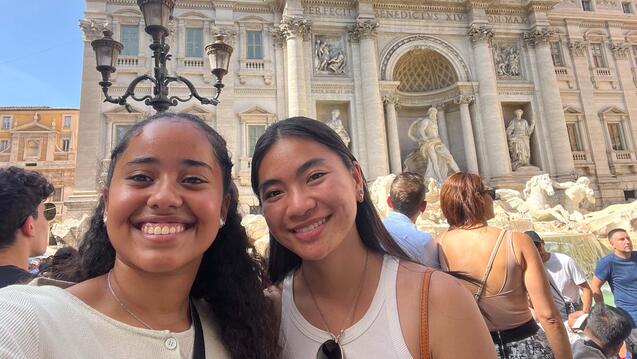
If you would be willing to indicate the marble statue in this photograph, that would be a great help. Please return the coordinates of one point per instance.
(507, 61)
(519, 135)
(335, 124)
(432, 159)
(534, 202)
(577, 194)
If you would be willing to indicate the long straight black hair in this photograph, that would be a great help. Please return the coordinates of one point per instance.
(369, 225)
(230, 277)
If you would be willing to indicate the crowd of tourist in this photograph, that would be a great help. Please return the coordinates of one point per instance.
(165, 269)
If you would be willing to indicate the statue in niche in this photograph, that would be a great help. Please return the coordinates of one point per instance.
(329, 56)
(335, 124)
(507, 61)
(432, 159)
(519, 136)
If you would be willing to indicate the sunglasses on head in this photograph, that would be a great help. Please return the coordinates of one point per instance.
(49, 211)
(491, 192)
(330, 349)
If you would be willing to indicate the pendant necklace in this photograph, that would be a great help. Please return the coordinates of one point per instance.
(121, 304)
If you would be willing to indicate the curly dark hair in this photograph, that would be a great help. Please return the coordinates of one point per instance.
(231, 277)
(21, 192)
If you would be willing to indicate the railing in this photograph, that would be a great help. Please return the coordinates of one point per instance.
(602, 72)
(561, 71)
(193, 63)
(580, 156)
(253, 65)
(621, 156)
(128, 61)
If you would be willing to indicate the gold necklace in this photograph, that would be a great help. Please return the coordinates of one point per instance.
(121, 304)
(349, 318)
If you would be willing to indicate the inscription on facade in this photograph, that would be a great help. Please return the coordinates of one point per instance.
(508, 19)
(328, 11)
(419, 15)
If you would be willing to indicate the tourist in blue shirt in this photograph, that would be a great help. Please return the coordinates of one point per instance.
(407, 199)
(619, 269)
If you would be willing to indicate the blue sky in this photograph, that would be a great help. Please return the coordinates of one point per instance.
(41, 57)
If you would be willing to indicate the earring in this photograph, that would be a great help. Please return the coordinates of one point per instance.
(222, 222)
(105, 219)
(361, 195)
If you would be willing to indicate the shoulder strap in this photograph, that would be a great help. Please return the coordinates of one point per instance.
(478, 294)
(424, 318)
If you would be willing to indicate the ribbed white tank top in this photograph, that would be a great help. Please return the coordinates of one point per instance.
(376, 335)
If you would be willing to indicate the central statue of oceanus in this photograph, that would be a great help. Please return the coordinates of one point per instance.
(432, 159)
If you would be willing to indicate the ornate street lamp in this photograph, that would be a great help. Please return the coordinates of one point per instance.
(157, 13)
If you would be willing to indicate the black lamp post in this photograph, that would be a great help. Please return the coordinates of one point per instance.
(156, 16)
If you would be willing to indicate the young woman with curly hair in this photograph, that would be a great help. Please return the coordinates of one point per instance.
(165, 269)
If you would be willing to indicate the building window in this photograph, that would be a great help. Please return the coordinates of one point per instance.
(57, 195)
(130, 40)
(6, 122)
(587, 5)
(616, 136)
(254, 132)
(598, 56)
(628, 9)
(194, 42)
(556, 53)
(66, 144)
(573, 137)
(254, 45)
(630, 195)
(67, 122)
(119, 133)
(4, 144)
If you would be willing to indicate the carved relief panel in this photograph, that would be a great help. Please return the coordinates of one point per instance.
(329, 55)
(507, 60)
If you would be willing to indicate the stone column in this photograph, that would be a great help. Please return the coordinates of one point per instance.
(391, 104)
(551, 100)
(495, 136)
(278, 41)
(295, 28)
(376, 139)
(90, 149)
(467, 133)
(442, 124)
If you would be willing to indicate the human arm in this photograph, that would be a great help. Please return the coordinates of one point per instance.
(596, 289)
(453, 316)
(579, 278)
(536, 283)
(587, 297)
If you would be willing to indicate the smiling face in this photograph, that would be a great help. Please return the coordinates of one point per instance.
(309, 197)
(165, 198)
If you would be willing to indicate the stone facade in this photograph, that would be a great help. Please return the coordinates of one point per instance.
(42, 139)
(382, 64)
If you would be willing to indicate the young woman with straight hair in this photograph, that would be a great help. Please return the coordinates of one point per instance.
(346, 289)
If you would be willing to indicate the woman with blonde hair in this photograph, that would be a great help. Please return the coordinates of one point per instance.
(510, 270)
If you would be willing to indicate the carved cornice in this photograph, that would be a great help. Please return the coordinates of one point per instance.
(363, 29)
(292, 26)
(229, 33)
(539, 35)
(541, 5)
(578, 47)
(93, 29)
(621, 50)
(480, 33)
(464, 99)
(478, 4)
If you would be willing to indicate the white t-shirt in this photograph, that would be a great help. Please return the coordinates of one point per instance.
(566, 275)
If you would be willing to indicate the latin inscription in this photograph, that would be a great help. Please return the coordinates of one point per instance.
(508, 19)
(419, 15)
(328, 11)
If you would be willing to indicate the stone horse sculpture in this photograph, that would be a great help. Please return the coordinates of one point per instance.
(534, 200)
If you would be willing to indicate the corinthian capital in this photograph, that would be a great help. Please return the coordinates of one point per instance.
(621, 50)
(539, 35)
(463, 99)
(480, 33)
(295, 26)
(391, 98)
(278, 38)
(363, 28)
(93, 29)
